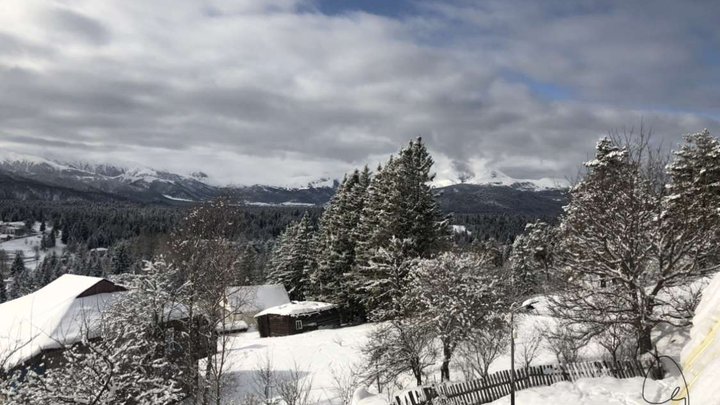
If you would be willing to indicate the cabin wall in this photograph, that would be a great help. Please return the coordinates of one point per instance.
(282, 325)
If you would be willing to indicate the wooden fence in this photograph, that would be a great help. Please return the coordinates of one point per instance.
(497, 385)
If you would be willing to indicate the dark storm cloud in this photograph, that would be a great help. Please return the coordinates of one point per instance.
(235, 87)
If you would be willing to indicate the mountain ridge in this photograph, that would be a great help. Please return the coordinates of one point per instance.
(32, 177)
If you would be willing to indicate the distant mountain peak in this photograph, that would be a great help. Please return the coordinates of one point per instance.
(495, 177)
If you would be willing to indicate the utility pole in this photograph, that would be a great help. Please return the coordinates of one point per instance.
(524, 307)
(512, 356)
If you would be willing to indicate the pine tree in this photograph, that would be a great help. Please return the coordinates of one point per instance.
(400, 204)
(623, 242)
(694, 191)
(533, 254)
(18, 265)
(45, 272)
(292, 259)
(65, 234)
(335, 246)
(21, 281)
(3, 289)
(120, 259)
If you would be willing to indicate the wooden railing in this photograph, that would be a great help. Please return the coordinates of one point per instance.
(497, 385)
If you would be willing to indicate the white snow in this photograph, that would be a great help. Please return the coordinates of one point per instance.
(449, 176)
(318, 355)
(700, 358)
(588, 391)
(176, 198)
(362, 396)
(28, 244)
(460, 229)
(282, 204)
(294, 308)
(254, 298)
(51, 317)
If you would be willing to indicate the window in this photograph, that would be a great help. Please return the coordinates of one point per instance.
(298, 325)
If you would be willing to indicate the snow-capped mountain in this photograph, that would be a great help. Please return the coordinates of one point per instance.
(498, 178)
(35, 178)
(135, 184)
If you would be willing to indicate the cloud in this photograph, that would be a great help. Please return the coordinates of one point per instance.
(279, 92)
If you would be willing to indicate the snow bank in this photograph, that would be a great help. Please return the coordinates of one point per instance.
(586, 391)
(295, 308)
(364, 397)
(700, 358)
(49, 318)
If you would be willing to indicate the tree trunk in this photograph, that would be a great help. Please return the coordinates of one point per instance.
(644, 339)
(445, 368)
(418, 377)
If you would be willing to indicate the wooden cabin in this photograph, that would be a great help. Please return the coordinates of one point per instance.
(297, 317)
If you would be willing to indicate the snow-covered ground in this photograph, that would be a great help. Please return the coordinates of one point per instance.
(589, 391)
(321, 354)
(318, 355)
(28, 244)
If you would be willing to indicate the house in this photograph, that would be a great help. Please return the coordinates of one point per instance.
(53, 317)
(35, 329)
(243, 302)
(297, 317)
(11, 229)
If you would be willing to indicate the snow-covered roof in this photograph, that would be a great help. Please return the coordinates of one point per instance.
(253, 298)
(51, 317)
(295, 308)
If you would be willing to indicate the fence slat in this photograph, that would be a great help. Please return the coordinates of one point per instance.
(496, 385)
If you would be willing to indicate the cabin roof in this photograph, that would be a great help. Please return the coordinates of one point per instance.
(296, 308)
(59, 314)
(254, 298)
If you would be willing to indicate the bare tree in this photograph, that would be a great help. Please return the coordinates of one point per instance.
(529, 347)
(396, 347)
(457, 296)
(564, 342)
(205, 255)
(617, 340)
(346, 380)
(264, 381)
(294, 388)
(482, 348)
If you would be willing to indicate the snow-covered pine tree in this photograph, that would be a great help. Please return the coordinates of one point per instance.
(21, 280)
(623, 243)
(532, 257)
(335, 245)
(292, 260)
(45, 271)
(386, 286)
(18, 264)
(694, 190)
(400, 204)
(120, 260)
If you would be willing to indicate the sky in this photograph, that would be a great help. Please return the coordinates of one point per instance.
(289, 91)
